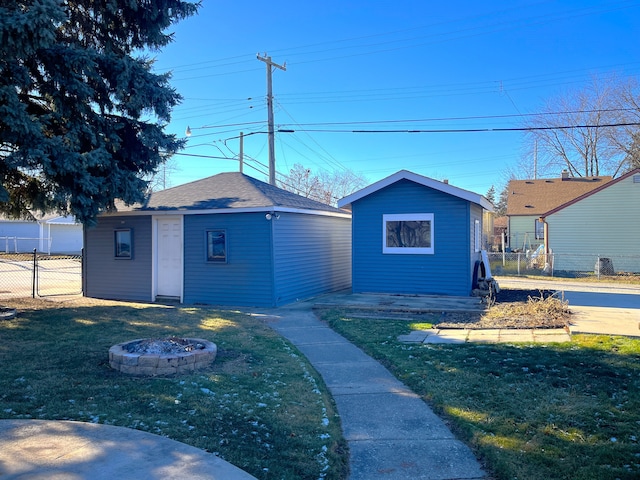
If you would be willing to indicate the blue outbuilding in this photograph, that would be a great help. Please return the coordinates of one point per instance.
(415, 235)
(224, 240)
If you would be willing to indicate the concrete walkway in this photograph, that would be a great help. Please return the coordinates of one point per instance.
(392, 433)
(489, 335)
(50, 450)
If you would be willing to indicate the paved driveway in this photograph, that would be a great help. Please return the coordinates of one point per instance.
(604, 308)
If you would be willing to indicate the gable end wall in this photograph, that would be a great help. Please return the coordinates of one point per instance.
(447, 271)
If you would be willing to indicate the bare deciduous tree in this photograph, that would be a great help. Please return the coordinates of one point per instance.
(326, 186)
(588, 132)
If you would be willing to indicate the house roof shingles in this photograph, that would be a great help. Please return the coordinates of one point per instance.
(231, 190)
(536, 197)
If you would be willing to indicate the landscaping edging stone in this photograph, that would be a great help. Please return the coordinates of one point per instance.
(152, 364)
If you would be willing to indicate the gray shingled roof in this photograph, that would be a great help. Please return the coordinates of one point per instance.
(226, 191)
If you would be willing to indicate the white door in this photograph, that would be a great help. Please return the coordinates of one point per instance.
(169, 256)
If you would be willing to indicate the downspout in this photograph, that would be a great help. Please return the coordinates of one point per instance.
(274, 300)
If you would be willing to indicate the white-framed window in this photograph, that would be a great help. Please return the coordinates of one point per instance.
(477, 236)
(407, 233)
(216, 246)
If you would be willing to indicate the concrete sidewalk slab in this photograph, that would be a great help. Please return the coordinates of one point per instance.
(448, 337)
(337, 352)
(352, 378)
(41, 449)
(504, 335)
(441, 459)
(313, 334)
(415, 336)
(392, 434)
(406, 418)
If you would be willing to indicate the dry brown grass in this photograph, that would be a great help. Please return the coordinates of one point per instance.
(541, 310)
(536, 312)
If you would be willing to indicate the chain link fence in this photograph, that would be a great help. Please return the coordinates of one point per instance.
(40, 275)
(564, 265)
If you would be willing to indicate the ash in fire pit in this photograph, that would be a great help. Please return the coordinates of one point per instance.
(165, 356)
(168, 345)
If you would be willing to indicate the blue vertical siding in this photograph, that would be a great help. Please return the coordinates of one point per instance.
(123, 279)
(447, 271)
(246, 278)
(312, 255)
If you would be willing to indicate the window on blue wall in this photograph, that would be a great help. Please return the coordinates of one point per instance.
(216, 246)
(408, 233)
(123, 243)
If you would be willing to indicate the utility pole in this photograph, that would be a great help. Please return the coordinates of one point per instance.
(241, 155)
(272, 151)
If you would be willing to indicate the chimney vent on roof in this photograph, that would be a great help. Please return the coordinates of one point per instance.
(565, 174)
(446, 181)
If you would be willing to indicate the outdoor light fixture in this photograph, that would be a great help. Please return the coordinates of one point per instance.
(269, 216)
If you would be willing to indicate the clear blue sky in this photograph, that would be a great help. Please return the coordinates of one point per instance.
(385, 65)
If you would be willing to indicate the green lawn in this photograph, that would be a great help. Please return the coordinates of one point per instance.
(260, 406)
(529, 411)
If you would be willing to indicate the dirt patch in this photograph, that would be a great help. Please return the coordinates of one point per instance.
(515, 309)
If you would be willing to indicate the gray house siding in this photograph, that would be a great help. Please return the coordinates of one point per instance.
(110, 277)
(447, 271)
(312, 255)
(247, 276)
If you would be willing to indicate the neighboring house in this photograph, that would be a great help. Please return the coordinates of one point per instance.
(415, 235)
(499, 233)
(529, 199)
(47, 234)
(603, 222)
(224, 240)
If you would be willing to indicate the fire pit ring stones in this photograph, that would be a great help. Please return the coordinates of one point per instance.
(169, 356)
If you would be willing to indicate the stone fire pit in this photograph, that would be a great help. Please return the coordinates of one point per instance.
(166, 356)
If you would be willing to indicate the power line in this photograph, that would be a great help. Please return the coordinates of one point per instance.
(478, 130)
(422, 120)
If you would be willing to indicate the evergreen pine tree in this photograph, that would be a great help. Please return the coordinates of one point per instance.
(501, 206)
(82, 115)
(491, 195)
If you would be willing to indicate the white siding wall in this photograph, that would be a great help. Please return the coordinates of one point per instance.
(606, 223)
(522, 234)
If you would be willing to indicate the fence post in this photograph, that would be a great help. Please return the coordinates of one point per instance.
(598, 266)
(35, 267)
(518, 263)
